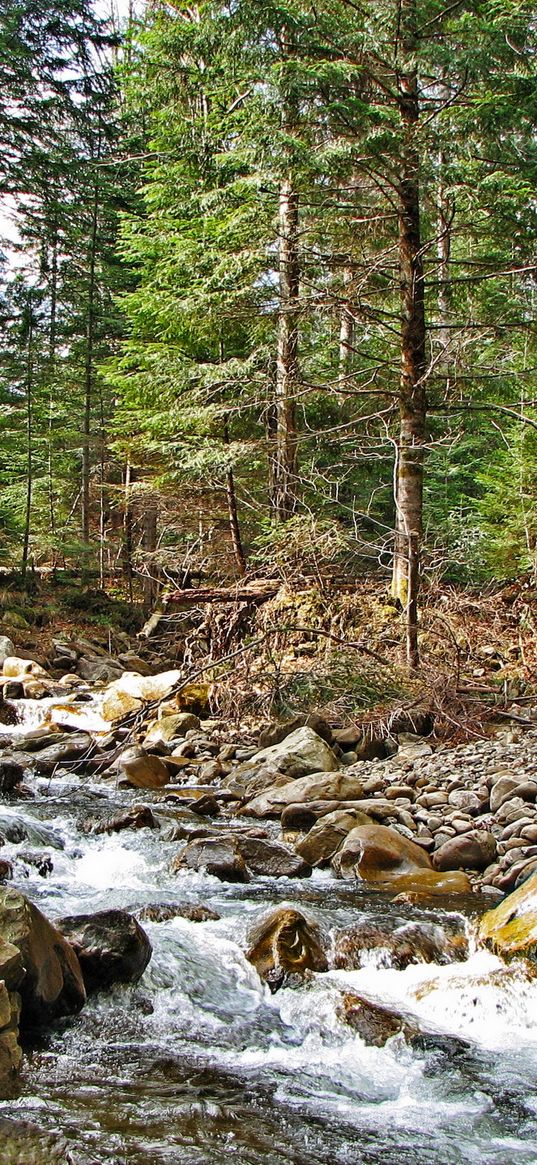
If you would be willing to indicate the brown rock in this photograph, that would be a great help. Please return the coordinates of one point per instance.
(328, 835)
(286, 944)
(469, 851)
(111, 947)
(218, 856)
(53, 983)
(377, 853)
(142, 769)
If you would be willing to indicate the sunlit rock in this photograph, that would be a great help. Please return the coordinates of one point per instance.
(53, 983)
(285, 944)
(511, 927)
(143, 769)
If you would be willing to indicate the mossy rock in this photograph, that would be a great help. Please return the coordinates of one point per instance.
(511, 928)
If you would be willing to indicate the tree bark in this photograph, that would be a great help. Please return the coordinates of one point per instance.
(413, 405)
(346, 335)
(29, 444)
(234, 527)
(284, 450)
(88, 364)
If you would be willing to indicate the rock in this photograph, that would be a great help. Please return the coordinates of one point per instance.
(167, 727)
(7, 649)
(67, 747)
(99, 671)
(11, 771)
(378, 853)
(15, 667)
(470, 851)
(276, 732)
(10, 1051)
(271, 859)
(411, 748)
(341, 786)
(38, 860)
(142, 769)
(504, 788)
(348, 737)
(511, 928)
(165, 911)
(220, 857)
(53, 983)
(414, 942)
(131, 691)
(328, 835)
(111, 947)
(374, 1023)
(301, 753)
(138, 817)
(285, 944)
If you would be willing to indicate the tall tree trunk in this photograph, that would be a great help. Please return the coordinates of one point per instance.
(127, 530)
(346, 334)
(234, 527)
(29, 446)
(89, 360)
(51, 374)
(149, 543)
(413, 406)
(284, 450)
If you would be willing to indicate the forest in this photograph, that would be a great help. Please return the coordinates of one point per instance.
(268, 582)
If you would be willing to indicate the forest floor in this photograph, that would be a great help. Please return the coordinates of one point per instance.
(337, 650)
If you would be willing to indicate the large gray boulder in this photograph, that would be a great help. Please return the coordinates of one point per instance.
(7, 649)
(301, 753)
(111, 947)
(53, 983)
(318, 786)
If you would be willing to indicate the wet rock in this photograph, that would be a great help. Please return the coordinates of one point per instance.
(11, 771)
(53, 983)
(67, 747)
(271, 859)
(286, 945)
(142, 769)
(340, 786)
(205, 806)
(220, 857)
(301, 753)
(111, 947)
(374, 1023)
(377, 853)
(328, 834)
(165, 911)
(10, 1051)
(469, 851)
(138, 817)
(14, 667)
(42, 862)
(414, 942)
(511, 928)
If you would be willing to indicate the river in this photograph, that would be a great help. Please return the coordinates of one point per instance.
(199, 1064)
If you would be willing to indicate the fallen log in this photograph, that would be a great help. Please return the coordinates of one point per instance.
(255, 592)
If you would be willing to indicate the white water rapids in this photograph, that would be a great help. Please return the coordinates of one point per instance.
(199, 1064)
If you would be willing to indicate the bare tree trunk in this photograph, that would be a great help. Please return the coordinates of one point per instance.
(29, 445)
(88, 366)
(234, 527)
(51, 375)
(284, 467)
(413, 406)
(127, 531)
(346, 335)
(149, 543)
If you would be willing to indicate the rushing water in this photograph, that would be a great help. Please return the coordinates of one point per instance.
(199, 1064)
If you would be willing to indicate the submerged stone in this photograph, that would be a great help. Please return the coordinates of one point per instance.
(286, 944)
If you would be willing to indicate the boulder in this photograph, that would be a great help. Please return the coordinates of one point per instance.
(286, 945)
(11, 771)
(167, 727)
(14, 666)
(163, 912)
(301, 753)
(111, 947)
(7, 649)
(129, 692)
(99, 671)
(10, 1051)
(276, 732)
(340, 786)
(67, 747)
(374, 1023)
(377, 853)
(328, 835)
(414, 942)
(53, 983)
(220, 857)
(138, 817)
(469, 851)
(511, 927)
(142, 769)
(271, 859)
